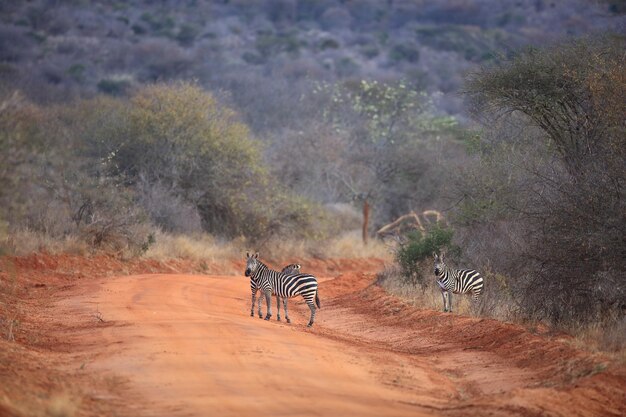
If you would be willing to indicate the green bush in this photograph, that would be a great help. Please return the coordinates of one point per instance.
(404, 52)
(179, 139)
(114, 87)
(187, 34)
(329, 43)
(269, 44)
(413, 255)
(77, 72)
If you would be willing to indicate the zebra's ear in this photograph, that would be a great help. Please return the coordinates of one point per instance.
(435, 255)
(442, 255)
(247, 254)
(256, 255)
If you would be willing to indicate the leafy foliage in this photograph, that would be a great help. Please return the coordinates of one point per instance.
(414, 254)
(388, 129)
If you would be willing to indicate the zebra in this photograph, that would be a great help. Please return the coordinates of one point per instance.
(285, 286)
(457, 281)
(289, 269)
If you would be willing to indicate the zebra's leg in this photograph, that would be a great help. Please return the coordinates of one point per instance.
(268, 299)
(445, 301)
(286, 313)
(253, 302)
(312, 307)
(476, 297)
(260, 302)
(278, 307)
(449, 301)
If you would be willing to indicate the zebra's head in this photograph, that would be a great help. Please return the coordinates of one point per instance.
(291, 269)
(440, 266)
(252, 263)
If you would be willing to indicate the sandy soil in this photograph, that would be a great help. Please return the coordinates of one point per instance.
(185, 345)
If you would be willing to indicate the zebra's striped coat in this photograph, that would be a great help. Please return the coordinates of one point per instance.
(285, 286)
(254, 288)
(457, 281)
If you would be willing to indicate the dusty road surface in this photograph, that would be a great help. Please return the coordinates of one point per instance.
(186, 345)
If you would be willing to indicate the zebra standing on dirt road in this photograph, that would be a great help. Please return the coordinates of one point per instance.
(285, 286)
(289, 269)
(457, 281)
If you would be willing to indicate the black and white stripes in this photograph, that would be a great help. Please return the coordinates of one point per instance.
(457, 281)
(254, 288)
(283, 285)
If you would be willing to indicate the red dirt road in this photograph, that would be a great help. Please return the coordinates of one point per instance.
(89, 342)
(186, 345)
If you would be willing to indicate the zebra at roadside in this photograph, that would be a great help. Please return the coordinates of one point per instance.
(457, 281)
(289, 269)
(284, 286)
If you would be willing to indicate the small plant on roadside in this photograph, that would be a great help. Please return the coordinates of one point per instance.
(98, 315)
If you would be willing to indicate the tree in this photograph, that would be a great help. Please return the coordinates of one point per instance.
(561, 179)
(386, 128)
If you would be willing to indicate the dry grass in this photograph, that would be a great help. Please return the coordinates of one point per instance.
(24, 241)
(207, 248)
(607, 338)
(347, 246)
(429, 297)
(200, 247)
(350, 245)
(495, 301)
(204, 247)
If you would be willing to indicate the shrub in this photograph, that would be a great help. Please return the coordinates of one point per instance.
(77, 72)
(404, 52)
(167, 210)
(187, 34)
(370, 51)
(328, 43)
(252, 58)
(413, 254)
(187, 155)
(114, 86)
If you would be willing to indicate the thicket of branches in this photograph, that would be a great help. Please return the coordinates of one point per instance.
(369, 143)
(543, 201)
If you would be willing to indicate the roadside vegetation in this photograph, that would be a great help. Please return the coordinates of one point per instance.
(300, 129)
(539, 207)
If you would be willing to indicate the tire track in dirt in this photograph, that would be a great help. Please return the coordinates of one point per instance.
(496, 368)
(186, 345)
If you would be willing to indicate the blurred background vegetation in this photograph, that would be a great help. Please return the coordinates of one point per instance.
(126, 124)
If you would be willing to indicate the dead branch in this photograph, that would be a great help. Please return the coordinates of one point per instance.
(414, 221)
(393, 225)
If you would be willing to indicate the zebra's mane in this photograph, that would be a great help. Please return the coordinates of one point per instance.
(263, 267)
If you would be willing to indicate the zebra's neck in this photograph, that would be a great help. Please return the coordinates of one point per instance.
(446, 278)
(259, 270)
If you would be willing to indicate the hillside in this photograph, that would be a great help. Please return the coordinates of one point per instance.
(262, 54)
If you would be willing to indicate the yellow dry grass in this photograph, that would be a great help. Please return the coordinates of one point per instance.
(205, 247)
(25, 241)
(201, 247)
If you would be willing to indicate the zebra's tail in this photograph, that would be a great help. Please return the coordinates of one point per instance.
(317, 300)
